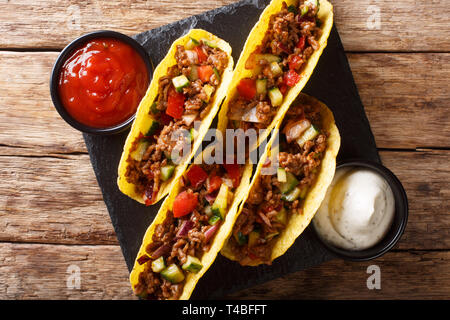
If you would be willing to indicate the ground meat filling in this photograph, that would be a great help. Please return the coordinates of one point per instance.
(270, 204)
(175, 109)
(178, 239)
(290, 40)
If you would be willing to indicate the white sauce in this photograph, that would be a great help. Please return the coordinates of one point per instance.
(357, 211)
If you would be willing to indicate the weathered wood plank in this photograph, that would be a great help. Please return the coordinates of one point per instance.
(29, 119)
(404, 25)
(57, 200)
(404, 275)
(36, 271)
(391, 87)
(52, 200)
(426, 179)
(406, 98)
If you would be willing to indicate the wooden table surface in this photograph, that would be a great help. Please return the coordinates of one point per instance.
(52, 216)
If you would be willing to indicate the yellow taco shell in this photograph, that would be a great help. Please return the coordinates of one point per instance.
(219, 239)
(144, 120)
(316, 194)
(255, 38)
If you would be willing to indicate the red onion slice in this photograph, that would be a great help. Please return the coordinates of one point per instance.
(162, 250)
(184, 229)
(211, 231)
(210, 197)
(192, 56)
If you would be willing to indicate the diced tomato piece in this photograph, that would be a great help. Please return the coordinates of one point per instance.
(247, 88)
(213, 183)
(295, 63)
(252, 255)
(205, 72)
(283, 88)
(271, 208)
(291, 78)
(184, 203)
(175, 103)
(165, 119)
(234, 172)
(301, 43)
(196, 175)
(283, 47)
(202, 56)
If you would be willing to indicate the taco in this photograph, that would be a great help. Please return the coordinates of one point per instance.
(280, 205)
(189, 230)
(188, 87)
(276, 62)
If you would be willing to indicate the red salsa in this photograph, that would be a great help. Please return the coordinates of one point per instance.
(102, 83)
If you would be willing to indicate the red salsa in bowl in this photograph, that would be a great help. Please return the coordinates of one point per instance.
(99, 80)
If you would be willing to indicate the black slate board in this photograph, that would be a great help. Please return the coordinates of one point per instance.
(332, 82)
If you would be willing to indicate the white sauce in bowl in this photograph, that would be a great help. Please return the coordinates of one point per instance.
(357, 211)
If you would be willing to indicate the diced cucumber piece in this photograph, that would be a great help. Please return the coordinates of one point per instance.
(268, 57)
(192, 264)
(272, 235)
(276, 97)
(281, 175)
(214, 219)
(140, 150)
(153, 127)
(193, 75)
(282, 216)
(309, 134)
(192, 134)
(208, 211)
(275, 69)
(158, 265)
(290, 184)
(208, 90)
(314, 3)
(261, 86)
(154, 108)
(172, 273)
(253, 238)
(167, 172)
(210, 43)
(293, 195)
(240, 238)
(180, 82)
(304, 11)
(220, 204)
(191, 44)
(216, 72)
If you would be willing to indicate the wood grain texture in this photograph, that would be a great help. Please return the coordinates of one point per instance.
(52, 200)
(390, 85)
(405, 96)
(36, 271)
(52, 214)
(404, 275)
(57, 200)
(405, 25)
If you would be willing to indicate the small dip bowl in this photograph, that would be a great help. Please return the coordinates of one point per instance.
(398, 224)
(66, 53)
